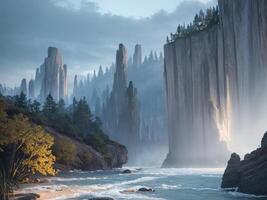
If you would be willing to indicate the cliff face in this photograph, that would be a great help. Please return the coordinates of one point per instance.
(214, 81)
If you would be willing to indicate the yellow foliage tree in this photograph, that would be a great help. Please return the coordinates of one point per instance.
(25, 149)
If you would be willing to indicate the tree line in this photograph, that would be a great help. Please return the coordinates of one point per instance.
(201, 22)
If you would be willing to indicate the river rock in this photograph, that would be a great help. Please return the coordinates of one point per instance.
(127, 171)
(27, 196)
(144, 189)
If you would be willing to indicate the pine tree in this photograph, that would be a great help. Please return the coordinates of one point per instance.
(21, 101)
(50, 106)
(36, 106)
(82, 116)
(61, 105)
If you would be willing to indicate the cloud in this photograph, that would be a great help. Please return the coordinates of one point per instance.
(85, 37)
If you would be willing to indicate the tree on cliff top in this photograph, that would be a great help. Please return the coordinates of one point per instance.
(201, 22)
(25, 149)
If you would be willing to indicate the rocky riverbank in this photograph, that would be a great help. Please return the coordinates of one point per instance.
(250, 174)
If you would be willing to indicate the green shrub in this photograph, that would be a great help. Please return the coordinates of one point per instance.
(64, 150)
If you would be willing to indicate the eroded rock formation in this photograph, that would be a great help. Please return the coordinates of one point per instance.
(148, 79)
(53, 76)
(122, 113)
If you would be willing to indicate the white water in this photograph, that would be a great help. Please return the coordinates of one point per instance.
(169, 184)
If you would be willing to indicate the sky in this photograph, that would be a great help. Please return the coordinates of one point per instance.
(87, 32)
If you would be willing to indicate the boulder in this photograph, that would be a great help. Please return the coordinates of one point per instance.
(27, 196)
(144, 189)
(231, 175)
(126, 171)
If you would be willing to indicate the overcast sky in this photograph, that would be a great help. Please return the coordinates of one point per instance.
(86, 32)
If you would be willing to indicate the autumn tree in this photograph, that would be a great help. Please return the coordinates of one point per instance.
(25, 149)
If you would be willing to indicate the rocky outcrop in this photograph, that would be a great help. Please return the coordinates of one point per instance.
(122, 113)
(249, 175)
(53, 76)
(232, 172)
(118, 155)
(214, 81)
(126, 171)
(87, 158)
(148, 79)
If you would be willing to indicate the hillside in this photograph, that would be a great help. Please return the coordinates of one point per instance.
(73, 147)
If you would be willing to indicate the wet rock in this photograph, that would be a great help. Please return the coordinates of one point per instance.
(28, 196)
(264, 141)
(231, 175)
(144, 189)
(127, 171)
(249, 175)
